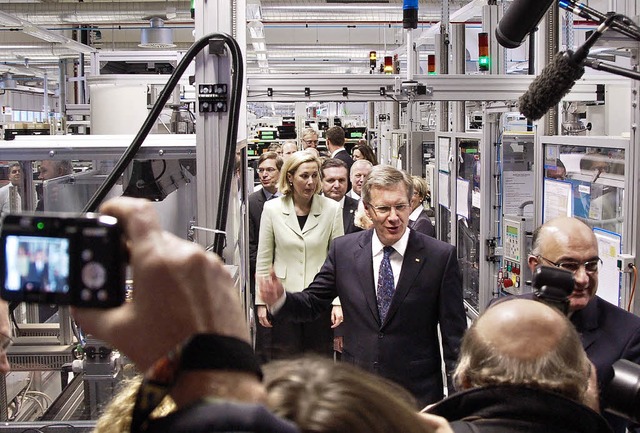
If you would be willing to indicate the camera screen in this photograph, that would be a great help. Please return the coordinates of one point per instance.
(37, 264)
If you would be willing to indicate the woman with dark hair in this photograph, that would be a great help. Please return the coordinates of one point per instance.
(363, 151)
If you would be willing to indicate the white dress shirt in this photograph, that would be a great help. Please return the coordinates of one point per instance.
(395, 258)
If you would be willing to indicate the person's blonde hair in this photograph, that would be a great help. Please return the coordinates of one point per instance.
(420, 186)
(116, 417)
(321, 396)
(291, 165)
(309, 132)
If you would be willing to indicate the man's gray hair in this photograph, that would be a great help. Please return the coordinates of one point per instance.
(562, 370)
(383, 177)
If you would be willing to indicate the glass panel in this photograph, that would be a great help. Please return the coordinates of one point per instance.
(469, 219)
(596, 176)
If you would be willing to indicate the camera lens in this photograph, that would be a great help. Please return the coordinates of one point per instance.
(623, 392)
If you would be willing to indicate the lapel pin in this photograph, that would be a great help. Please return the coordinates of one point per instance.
(417, 260)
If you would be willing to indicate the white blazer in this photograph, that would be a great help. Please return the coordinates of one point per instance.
(296, 254)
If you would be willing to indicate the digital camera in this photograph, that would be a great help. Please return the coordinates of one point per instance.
(553, 286)
(64, 259)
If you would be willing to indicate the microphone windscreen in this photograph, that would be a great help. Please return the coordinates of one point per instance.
(555, 81)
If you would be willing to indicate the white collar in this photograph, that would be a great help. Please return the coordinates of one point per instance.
(416, 213)
(400, 246)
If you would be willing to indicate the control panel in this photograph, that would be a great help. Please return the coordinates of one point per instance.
(516, 245)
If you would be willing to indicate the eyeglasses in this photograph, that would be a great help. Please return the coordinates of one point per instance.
(311, 141)
(5, 342)
(268, 170)
(386, 210)
(590, 267)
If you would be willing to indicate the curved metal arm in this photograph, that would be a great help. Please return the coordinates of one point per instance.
(232, 135)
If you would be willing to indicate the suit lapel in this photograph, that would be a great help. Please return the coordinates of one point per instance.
(412, 263)
(364, 266)
(314, 214)
(348, 211)
(586, 323)
(291, 220)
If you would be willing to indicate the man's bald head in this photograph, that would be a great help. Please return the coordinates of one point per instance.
(562, 241)
(529, 321)
(524, 343)
(559, 231)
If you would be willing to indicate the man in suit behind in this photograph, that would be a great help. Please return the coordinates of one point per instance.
(335, 144)
(396, 287)
(38, 276)
(607, 332)
(334, 186)
(269, 165)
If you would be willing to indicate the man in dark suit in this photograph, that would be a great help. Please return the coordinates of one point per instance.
(335, 144)
(38, 276)
(334, 186)
(607, 332)
(395, 285)
(269, 165)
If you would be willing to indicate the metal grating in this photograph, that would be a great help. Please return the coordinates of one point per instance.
(39, 358)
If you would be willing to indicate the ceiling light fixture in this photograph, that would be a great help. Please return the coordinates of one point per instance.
(156, 36)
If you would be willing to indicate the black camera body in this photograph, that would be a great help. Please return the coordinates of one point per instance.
(553, 286)
(64, 259)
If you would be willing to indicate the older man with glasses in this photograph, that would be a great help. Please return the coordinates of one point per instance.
(396, 287)
(309, 138)
(607, 332)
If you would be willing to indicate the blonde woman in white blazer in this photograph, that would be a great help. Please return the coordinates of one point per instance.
(295, 232)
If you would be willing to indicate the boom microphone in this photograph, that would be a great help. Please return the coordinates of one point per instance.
(519, 20)
(559, 76)
(555, 81)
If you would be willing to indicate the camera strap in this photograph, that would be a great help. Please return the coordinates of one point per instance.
(199, 352)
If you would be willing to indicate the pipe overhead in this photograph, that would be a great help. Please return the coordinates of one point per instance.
(97, 13)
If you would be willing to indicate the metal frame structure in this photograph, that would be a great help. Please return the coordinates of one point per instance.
(312, 87)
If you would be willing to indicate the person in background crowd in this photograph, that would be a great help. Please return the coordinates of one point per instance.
(275, 147)
(7, 191)
(269, 165)
(363, 151)
(288, 148)
(50, 169)
(335, 144)
(309, 138)
(419, 220)
(334, 186)
(359, 172)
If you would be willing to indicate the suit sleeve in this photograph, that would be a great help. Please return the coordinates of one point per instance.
(452, 319)
(337, 227)
(307, 305)
(266, 246)
(337, 230)
(253, 238)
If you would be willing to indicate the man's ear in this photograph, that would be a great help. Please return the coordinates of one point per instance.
(533, 262)
(366, 211)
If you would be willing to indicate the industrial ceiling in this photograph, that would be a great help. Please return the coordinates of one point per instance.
(283, 36)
